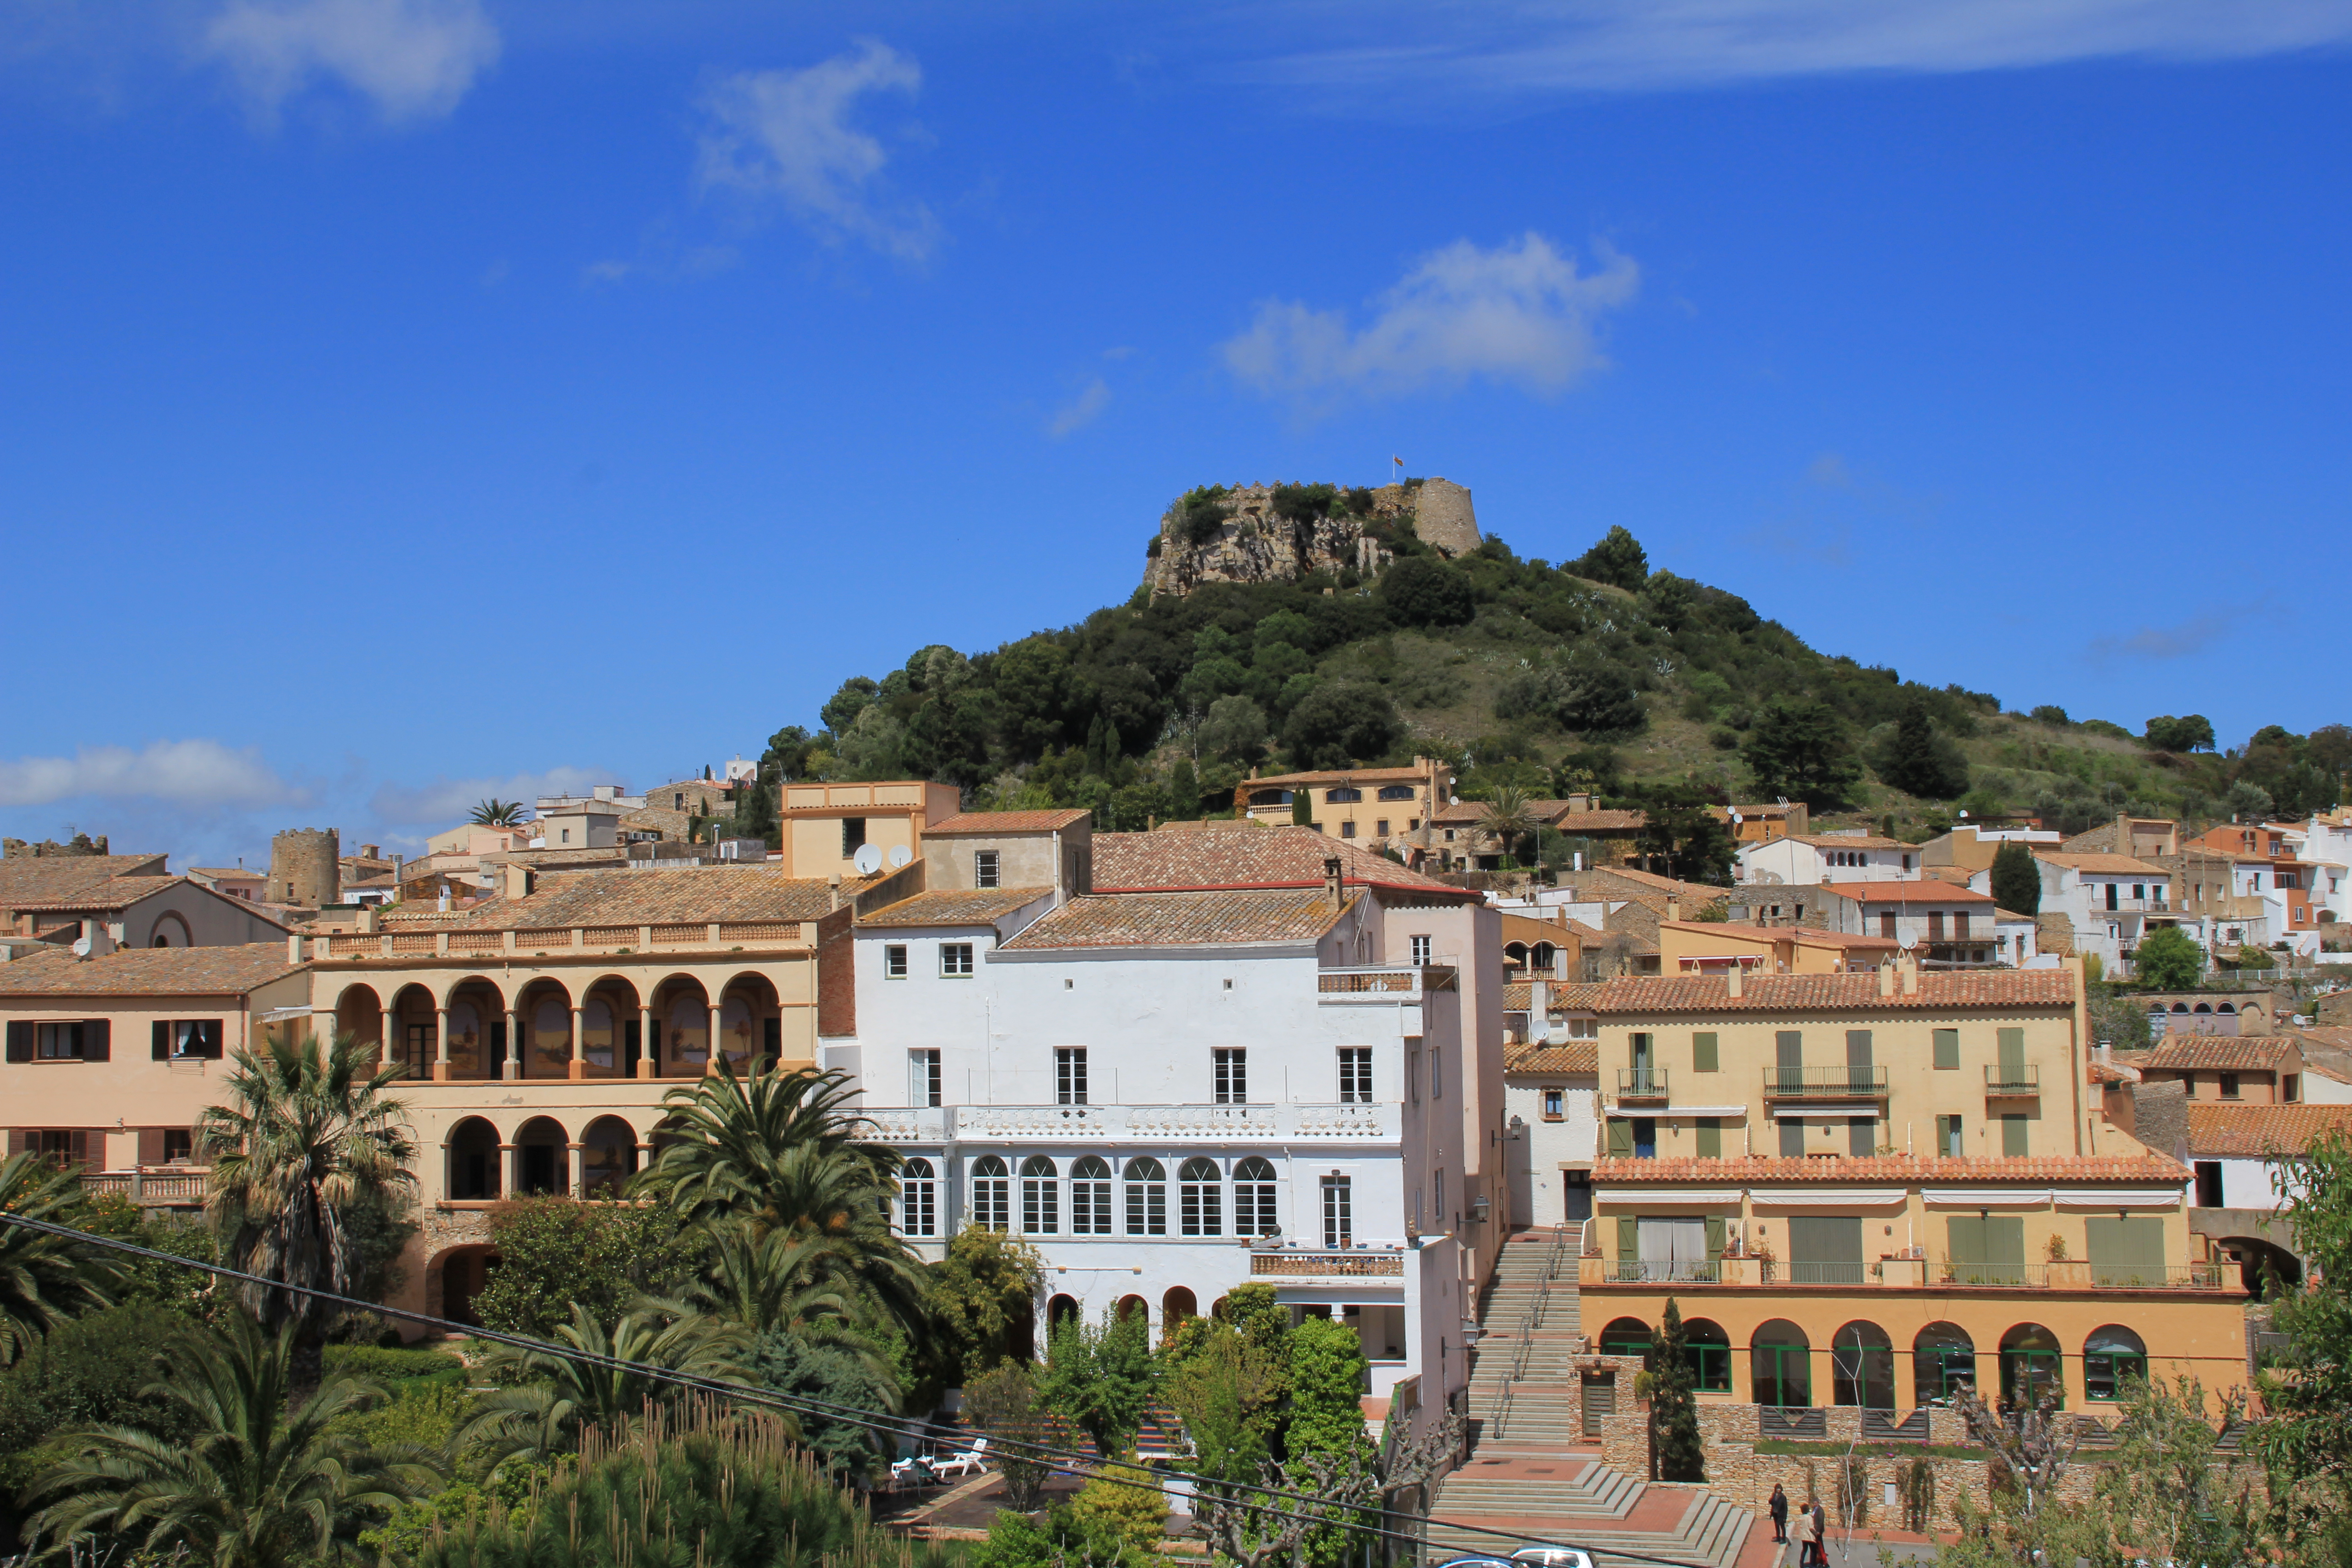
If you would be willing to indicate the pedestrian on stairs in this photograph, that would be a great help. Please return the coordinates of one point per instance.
(1780, 1513)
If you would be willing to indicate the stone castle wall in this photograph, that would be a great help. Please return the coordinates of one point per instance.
(306, 866)
(1256, 546)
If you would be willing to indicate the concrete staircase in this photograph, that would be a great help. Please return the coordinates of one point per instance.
(1710, 1531)
(1585, 1488)
(1540, 1411)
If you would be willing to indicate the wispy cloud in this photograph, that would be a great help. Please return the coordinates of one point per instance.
(787, 134)
(1834, 503)
(446, 801)
(413, 58)
(1521, 314)
(185, 773)
(1080, 411)
(1611, 46)
(2179, 641)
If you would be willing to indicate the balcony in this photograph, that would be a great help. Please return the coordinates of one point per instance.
(2012, 1082)
(1344, 1263)
(1366, 1123)
(1387, 984)
(1653, 1271)
(173, 1186)
(1641, 1084)
(1825, 1083)
(1900, 1273)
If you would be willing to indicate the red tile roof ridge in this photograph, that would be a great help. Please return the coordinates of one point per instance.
(1767, 1168)
(1007, 821)
(1936, 891)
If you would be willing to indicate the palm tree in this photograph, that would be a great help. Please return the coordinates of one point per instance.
(265, 1482)
(45, 1278)
(308, 1138)
(1508, 817)
(497, 813)
(790, 1281)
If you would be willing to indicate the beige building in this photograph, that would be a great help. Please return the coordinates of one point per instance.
(825, 825)
(1717, 947)
(123, 900)
(1377, 808)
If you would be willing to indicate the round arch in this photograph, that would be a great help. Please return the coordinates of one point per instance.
(455, 1278)
(480, 982)
(359, 1013)
(750, 1019)
(1943, 1360)
(1516, 954)
(1133, 1307)
(608, 1157)
(417, 1029)
(470, 1154)
(170, 931)
(1626, 1336)
(1781, 1364)
(1176, 1304)
(1862, 1366)
(542, 1156)
(681, 1008)
(2112, 1357)
(1710, 1355)
(2259, 1260)
(1060, 1310)
(2030, 1365)
(612, 1034)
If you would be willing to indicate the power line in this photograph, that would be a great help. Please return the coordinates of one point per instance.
(790, 1404)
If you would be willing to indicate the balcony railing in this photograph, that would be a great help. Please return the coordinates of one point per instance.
(2020, 1082)
(178, 1187)
(1375, 1122)
(1825, 1083)
(1651, 1271)
(1386, 982)
(1640, 1083)
(2077, 1275)
(1346, 1263)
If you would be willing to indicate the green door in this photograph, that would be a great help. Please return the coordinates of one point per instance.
(1825, 1249)
(2126, 1252)
(1987, 1249)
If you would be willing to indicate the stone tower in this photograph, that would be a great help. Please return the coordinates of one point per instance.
(1444, 521)
(304, 867)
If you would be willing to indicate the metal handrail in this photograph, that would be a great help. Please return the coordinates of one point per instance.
(1530, 1321)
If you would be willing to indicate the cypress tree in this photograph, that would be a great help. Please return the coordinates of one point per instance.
(2016, 879)
(1183, 791)
(1674, 1413)
(1921, 762)
(1302, 807)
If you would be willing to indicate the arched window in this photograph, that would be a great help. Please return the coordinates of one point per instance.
(608, 1155)
(1146, 1198)
(1396, 792)
(1515, 952)
(2177, 1007)
(474, 1174)
(919, 1198)
(991, 1193)
(1059, 1311)
(1090, 1197)
(1343, 795)
(1626, 1336)
(2202, 1007)
(2028, 1365)
(1041, 1197)
(1710, 1355)
(1253, 1199)
(2112, 1356)
(2227, 1007)
(1943, 1359)
(1543, 954)
(1781, 1364)
(1200, 1194)
(1862, 1366)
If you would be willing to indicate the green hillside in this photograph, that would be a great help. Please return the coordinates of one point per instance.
(1598, 674)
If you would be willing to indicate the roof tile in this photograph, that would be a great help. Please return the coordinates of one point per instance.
(1233, 855)
(2149, 1167)
(1006, 821)
(2251, 1131)
(149, 971)
(955, 907)
(1181, 920)
(1939, 989)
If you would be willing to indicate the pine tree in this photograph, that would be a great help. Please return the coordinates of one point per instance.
(2016, 879)
(1183, 791)
(1674, 1413)
(1919, 761)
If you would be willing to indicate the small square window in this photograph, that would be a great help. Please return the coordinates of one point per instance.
(985, 869)
(1380, 829)
(955, 960)
(1347, 828)
(1554, 1104)
(853, 836)
(894, 962)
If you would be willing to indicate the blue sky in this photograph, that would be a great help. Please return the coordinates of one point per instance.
(405, 400)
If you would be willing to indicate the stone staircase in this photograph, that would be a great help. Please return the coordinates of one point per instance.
(1540, 1411)
(1710, 1531)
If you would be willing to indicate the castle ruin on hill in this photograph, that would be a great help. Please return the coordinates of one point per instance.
(1254, 543)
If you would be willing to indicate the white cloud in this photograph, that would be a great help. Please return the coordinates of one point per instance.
(1519, 313)
(414, 59)
(188, 772)
(1635, 44)
(786, 133)
(2182, 640)
(1082, 410)
(444, 802)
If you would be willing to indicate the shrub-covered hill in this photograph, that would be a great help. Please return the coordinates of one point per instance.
(1599, 674)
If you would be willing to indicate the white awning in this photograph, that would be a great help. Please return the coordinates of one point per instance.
(1675, 1113)
(2153, 1198)
(1666, 1196)
(2006, 1198)
(1831, 1197)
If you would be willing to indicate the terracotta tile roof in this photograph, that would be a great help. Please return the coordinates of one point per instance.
(1566, 995)
(1340, 776)
(1231, 854)
(1939, 989)
(2100, 1072)
(1559, 813)
(2228, 1053)
(2334, 1035)
(1576, 1056)
(1181, 920)
(149, 971)
(1649, 882)
(232, 872)
(2250, 1131)
(2118, 1168)
(1923, 892)
(1956, 875)
(2101, 863)
(48, 880)
(1007, 821)
(2001, 914)
(113, 893)
(956, 907)
(685, 895)
(1803, 936)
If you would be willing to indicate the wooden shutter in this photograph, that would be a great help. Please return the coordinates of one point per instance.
(20, 1040)
(2014, 1142)
(2004, 1237)
(1947, 1050)
(1703, 1053)
(2012, 1056)
(1788, 1055)
(1714, 1229)
(2124, 1250)
(1709, 1135)
(15, 1142)
(1621, 1138)
(1861, 1135)
(97, 1039)
(204, 1038)
(1792, 1138)
(159, 1039)
(1629, 1243)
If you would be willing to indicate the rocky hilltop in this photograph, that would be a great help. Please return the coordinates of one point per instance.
(1282, 533)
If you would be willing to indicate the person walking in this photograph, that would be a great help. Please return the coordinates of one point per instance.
(1821, 1533)
(1780, 1510)
(1800, 1540)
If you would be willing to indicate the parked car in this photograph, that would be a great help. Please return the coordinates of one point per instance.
(1552, 1557)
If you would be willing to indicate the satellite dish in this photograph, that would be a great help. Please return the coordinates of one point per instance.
(900, 856)
(867, 859)
(1737, 818)
(81, 949)
(1908, 940)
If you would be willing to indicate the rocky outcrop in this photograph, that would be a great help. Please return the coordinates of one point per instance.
(1256, 544)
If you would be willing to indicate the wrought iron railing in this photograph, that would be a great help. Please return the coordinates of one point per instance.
(1825, 1083)
(1640, 1083)
(2017, 1079)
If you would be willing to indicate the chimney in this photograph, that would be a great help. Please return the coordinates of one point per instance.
(833, 889)
(515, 881)
(1910, 975)
(1331, 880)
(1539, 1009)
(293, 947)
(1886, 979)
(1738, 978)
(367, 917)
(1674, 908)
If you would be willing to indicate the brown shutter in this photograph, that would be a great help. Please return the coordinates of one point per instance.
(159, 1039)
(15, 1142)
(151, 1145)
(97, 1039)
(80, 1146)
(20, 1041)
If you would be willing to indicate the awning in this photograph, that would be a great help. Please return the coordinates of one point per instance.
(1852, 1113)
(2005, 1198)
(2151, 1199)
(1662, 1195)
(1830, 1197)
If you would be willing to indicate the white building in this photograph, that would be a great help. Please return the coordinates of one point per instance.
(2111, 900)
(1807, 859)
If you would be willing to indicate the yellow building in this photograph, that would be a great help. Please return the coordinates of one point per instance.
(1375, 808)
(1717, 947)
(1862, 1189)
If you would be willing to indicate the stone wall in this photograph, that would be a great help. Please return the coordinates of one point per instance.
(49, 848)
(1256, 546)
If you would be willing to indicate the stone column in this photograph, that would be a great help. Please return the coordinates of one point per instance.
(440, 1045)
(512, 1065)
(579, 1062)
(645, 1042)
(510, 1170)
(717, 1044)
(645, 1157)
(385, 1044)
(579, 1171)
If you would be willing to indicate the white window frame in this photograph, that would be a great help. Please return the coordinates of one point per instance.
(1229, 1075)
(987, 869)
(923, 1078)
(1355, 1074)
(1421, 948)
(1069, 1075)
(894, 960)
(956, 961)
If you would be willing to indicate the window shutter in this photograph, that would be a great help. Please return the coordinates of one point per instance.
(1947, 1050)
(1621, 1138)
(2011, 1051)
(159, 1039)
(1861, 1135)
(96, 1038)
(15, 1137)
(2013, 1141)
(1715, 1238)
(81, 1141)
(1792, 1140)
(1710, 1137)
(1703, 1053)
(20, 1042)
(1628, 1243)
(208, 1042)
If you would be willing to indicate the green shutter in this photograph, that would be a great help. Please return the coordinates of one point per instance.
(1621, 1138)
(1627, 1246)
(2012, 1050)
(2005, 1240)
(1965, 1240)
(1710, 1137)
(1857, 1049)
(1792, 1140)
(2126, 1251)
(1860, 1135)
(2014, 1144)
(1703, 1053)
(1715, 1238)
(1947, 1050)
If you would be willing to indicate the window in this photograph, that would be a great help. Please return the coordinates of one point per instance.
(1254, 1198)
(918, 1199)
(677, 800)
(1420, 950)
(1710, 1353)
(1347, 829)
(853, 836)
(1342, 796)
(2290, 1087)
(1947, 1050)
(1338, 1212)
(1380, 829)
(1861, 1136)
(179, 1145)
(1356, 1075)
(1041, 1197)
(1146, 1198)
(1707, 1135)
(1412, 1070)
(1229, 1069)
(955, 960)
(1070, 1075)
(1555, 1101)
(894, 960)
(182, 1038)
(1395, 792)
(1437, 1072)
(2228, 1086)
(59, 1146)
(1949, 1145)
(1090, 1197)
(2112, 1356)
(60, 1042)
(2013, 1142)
(985, 869)
(922, 1078)
(991, 1193)
(1200, 1194)
(1703, 1056)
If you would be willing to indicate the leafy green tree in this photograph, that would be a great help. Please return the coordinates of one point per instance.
(2169, 1492)
(550, 1395)
(2248, 800)
(45, 1279)
(1304, 503)
(1617, 559)
(1673, 1409)
(1340, 722)
(1920, 760)
(984, 1295)
(2168, 960)
(1235, 730)
(1798, 748)
(556, 1252)
(755, 815)
(1226, 1387)
(1201, 513)
(1508, 818)
(2191, 733)
(253, 1474)
(1598, 699)
(786, 758)
(2050, 713)
(841, 711)
(788, 1363)
(2016, 879)
(1327, 1383)
(1003, 1401)
(2305, 1444)
(1100, 1378)
(308, 1140)
(1422, 591)
(1681, 837)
